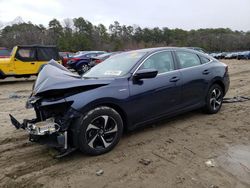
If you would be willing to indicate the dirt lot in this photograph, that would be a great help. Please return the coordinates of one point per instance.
(176, 150)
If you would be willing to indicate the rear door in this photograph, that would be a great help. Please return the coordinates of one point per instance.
(195, 76)
(25, 60)
(157, 96)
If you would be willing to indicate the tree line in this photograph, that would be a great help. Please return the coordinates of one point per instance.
(80, 34)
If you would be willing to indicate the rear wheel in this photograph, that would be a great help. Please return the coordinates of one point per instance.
(100, 130)
(214, 99)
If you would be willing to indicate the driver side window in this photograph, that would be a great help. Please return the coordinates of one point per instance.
(26, 54)
(162, 62)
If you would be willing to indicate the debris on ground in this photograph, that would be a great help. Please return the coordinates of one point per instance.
(210, 163)
(236, 99)
(99, 172)
(145, 161)
(214, 186)
(180, 179)
(14, 96)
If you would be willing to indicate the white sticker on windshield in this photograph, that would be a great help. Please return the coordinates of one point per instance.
(113, 73)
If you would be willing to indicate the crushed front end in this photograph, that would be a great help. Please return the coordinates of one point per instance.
(53, 101)
(54, 114)
(51, 126)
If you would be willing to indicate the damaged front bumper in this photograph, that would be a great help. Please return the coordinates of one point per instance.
(52, 130)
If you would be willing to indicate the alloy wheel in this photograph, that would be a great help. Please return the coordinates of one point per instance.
(101, 132)
(216, 99)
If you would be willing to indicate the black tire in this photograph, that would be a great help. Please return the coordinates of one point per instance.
(99, 130)
(214, 99)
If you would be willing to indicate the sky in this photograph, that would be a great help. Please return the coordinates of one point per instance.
(184, 14)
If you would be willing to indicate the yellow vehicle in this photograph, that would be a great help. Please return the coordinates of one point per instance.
(27, 60)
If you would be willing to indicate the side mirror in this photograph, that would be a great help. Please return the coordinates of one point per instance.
(145, 73)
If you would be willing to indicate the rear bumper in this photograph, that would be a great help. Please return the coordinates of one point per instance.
(226, 83)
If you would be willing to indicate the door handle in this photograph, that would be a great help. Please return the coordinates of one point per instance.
(205, 72)
(174, 79)
(32, 63)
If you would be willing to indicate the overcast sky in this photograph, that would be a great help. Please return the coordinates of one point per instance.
(184, 14)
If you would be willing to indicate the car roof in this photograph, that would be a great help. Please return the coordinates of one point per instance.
(151, 50)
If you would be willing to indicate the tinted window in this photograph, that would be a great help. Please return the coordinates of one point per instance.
(187, 59)
(26, 54)
(204, 59)
(46, 54)
(162, 61)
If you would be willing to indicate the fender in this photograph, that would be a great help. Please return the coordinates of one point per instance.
(218, 80)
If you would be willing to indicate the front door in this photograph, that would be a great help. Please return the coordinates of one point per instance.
(155, 97)
(25, 61)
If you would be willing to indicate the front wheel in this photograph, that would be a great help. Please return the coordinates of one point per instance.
(214, 99)
(100, 130)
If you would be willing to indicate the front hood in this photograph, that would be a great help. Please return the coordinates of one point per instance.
(54, 79)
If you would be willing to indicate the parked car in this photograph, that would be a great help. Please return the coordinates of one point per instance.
(4, 52)
(98, 59)
(80, 62)
(232, 55)
(27, 60)
(66, 56)
(220, 55)
(244, 55)
(126, 91)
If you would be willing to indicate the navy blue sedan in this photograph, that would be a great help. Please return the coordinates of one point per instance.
(81, 62)
(127, 91)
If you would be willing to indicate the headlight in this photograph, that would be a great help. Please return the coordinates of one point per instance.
(31, 101)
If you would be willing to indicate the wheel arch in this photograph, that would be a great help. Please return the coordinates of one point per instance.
(122, 113)
(220, 83)
(81, 63)
(112, 105)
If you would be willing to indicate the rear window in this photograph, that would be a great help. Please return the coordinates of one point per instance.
(204, 60)
(46, 54)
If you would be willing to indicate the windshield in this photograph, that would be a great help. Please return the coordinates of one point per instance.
(117, 65)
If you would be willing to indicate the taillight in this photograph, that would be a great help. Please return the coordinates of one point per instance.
(98, 61)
